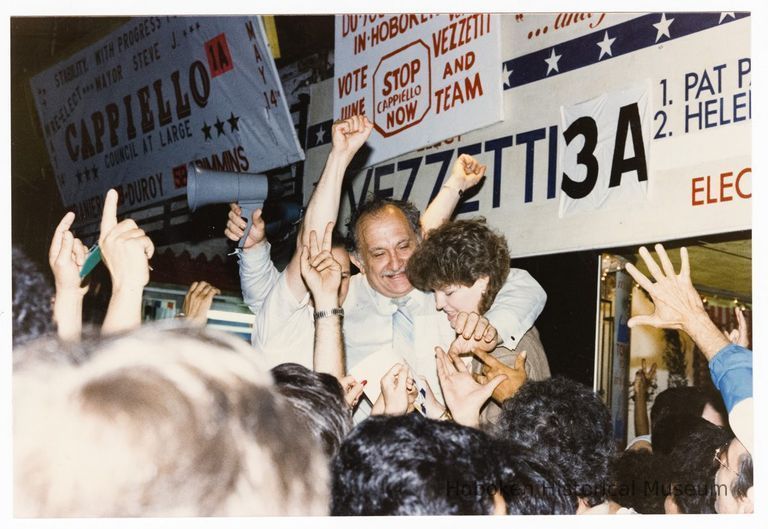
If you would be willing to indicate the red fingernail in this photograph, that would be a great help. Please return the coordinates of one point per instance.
(364, 382)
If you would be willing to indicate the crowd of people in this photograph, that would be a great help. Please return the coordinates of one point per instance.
(416, 386)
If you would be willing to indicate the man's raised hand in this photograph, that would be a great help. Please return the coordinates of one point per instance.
(321, 272)
(348, 135)
(125, 248)
(466, 172)
(674, 297)
(66, 256)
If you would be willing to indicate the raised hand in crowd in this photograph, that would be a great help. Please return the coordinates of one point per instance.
(474, 333)
(352, 390)
(197, 302)
(677, 304)
(516, 375)
(466, 172)
(397, 392)
(66, 256)
(322, 274)
(320, 270)
(464, 396)
(643, 379)
(347, 136)
(126, 251)
(236, 227)
(739, 335)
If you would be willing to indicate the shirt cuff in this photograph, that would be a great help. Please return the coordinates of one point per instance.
(731, 370)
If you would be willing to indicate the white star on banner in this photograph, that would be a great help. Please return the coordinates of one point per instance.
(320, 135)
(723, 16)
(662, 27)
(605, 46)
(506, 73)
(552, 62)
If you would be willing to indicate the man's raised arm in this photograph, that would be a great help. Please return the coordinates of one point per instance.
(465, 173)
(347, 136)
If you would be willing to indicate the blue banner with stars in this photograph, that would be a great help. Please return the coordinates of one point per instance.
(653, 29)
(134, 109)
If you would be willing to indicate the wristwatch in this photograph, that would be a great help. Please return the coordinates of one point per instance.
(325, 313)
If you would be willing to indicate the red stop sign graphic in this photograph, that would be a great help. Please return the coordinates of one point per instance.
(402, 89)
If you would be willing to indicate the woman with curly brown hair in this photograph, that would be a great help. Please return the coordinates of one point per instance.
(465, 263)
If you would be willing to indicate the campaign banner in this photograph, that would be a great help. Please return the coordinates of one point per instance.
(692, 71)
(419, 78)
(133, 109)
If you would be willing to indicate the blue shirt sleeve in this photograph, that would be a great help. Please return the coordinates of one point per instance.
(731, 370)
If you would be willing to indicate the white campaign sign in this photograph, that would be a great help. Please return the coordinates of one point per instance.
(697, 67)
(419, 78)
(132, 110)
(604, 155)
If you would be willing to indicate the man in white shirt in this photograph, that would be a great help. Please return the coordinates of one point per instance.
(385, 235)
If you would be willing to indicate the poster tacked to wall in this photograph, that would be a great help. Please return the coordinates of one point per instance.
(133, 109)
(419, 78)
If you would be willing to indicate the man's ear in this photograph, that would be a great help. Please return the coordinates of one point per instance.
(357, 262)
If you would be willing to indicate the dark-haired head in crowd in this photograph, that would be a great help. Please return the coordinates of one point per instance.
(568, 426)
(162, 421)
(636, 481)
(689, 400)
(32, 300)
(410, 465)
(692, 465)
(531, 485)
(318, 398)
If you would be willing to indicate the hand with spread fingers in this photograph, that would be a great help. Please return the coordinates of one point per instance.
(516, 375)
(673, 295)
(321, 271)
(463, 394)
(198, 300)
(473, 333)
(677, 305)
(236, 225)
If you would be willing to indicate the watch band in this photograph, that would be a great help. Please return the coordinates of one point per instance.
(325, 313)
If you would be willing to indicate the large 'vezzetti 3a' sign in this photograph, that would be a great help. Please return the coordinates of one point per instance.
(419, 78)
(618, 129)
(132, 110)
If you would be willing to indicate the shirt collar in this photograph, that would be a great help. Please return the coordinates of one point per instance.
(384, 304)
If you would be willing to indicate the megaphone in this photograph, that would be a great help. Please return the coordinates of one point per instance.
(249, 190)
